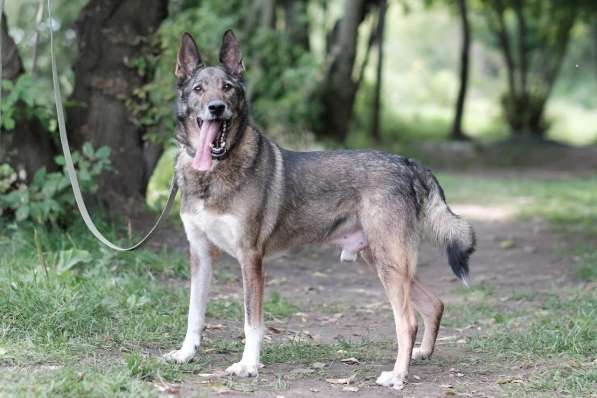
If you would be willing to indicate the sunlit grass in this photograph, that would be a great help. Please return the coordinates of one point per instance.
(569, 203)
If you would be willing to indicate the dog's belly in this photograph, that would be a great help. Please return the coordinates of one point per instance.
(223, 230)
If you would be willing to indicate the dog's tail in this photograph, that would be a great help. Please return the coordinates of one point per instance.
(447, 229)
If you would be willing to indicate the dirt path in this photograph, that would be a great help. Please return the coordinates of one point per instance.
(345, 302)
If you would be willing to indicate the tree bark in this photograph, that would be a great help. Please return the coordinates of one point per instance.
(457, 133)
(28, 147)
(504, 40)
(297, 22)
(111, 34)
(376, 114)
(338, 89)
(268, 13)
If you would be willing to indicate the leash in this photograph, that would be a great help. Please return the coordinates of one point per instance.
(68, 161)
(70, 168)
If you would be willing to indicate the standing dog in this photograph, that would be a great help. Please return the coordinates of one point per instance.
(247, 196)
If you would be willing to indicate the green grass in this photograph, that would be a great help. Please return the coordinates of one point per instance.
(79, 320)
(587, 268)
(64, 299)
(554, 330)
(567, 202)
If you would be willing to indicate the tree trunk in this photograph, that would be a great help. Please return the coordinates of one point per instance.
(28, 147)
(111, 34)
(457, 133)
(376, 114)
(268, 13)
(297, 22)
(338, 89)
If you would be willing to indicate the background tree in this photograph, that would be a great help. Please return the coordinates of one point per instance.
(532, 36)
(379, 39)
(25, 143)
(457, 132)
(338, 87)
(113, 39)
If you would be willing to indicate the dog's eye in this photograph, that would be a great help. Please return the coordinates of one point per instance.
(197, 89)
(227, 87)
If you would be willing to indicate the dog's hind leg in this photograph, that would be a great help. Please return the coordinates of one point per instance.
(431, 309)
(201, 272)
(393, 265)
(252, 271)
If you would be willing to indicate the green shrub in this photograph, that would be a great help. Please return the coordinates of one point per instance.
(48, 197)
(23, 91)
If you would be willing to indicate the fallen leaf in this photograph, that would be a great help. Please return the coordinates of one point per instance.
(351, 389)
(318, 365)
(277, 281)
(217, 326)
(507, 244)
(274, 330)
(344, 380)
(350, 361)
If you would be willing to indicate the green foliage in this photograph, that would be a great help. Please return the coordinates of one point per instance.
(280, 74)
(20, 101)
(48, 197)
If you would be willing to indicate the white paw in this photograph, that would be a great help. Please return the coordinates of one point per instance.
(418, 353)
(391, 379)
(180, 356)
(243, 369)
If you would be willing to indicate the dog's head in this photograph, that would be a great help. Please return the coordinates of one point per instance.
(211, 105)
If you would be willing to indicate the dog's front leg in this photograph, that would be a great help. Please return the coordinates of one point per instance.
(201, 272)
(252, 272)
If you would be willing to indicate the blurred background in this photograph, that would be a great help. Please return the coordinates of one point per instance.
(423, 78)
(498, 97)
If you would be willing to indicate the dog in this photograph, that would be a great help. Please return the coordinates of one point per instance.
(245, 195)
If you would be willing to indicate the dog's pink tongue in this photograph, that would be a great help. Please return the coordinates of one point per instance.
(202, 159)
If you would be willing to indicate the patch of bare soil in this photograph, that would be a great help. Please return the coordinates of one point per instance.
(345, 302)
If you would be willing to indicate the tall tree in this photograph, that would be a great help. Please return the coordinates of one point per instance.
(28, 146)
(112, 36)
(376, 114)
(457, 133)
(532, 36)
(296, 20)
(338, 89)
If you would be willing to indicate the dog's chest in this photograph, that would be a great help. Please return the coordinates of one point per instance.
(223, 230)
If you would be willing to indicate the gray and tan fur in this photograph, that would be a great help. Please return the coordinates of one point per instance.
(259, 199)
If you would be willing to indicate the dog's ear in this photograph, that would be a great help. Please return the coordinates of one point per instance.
(230, 55)
(188, 58)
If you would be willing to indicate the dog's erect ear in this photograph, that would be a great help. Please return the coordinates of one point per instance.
(230, 55)
(188, 58)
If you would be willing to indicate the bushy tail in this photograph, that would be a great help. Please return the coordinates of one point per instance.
(448, 230)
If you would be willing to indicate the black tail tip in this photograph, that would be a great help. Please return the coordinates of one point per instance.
(458, 258)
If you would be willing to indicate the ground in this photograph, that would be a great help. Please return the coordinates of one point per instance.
(525, 327)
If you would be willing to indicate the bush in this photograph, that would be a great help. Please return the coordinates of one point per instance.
(48, 197)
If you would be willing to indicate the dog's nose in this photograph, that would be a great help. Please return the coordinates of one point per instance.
(216, 108)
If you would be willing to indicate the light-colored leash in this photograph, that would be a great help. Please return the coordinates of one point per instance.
(68, 161)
